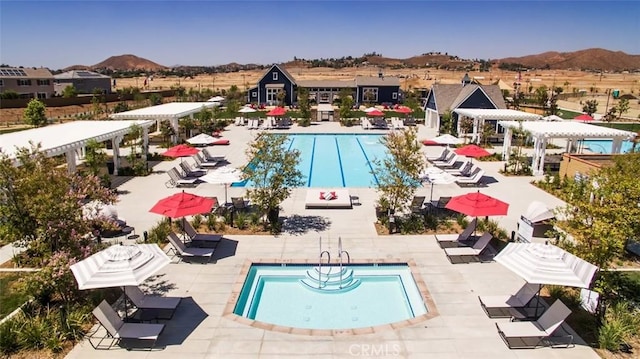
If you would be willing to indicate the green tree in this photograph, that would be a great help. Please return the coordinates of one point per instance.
(397, 175)
(590, 107)
(41, 206)
(446, 123)
(346, 103)
(466, 126)
(542, 97)
(622, 107)
(35, 114)
(303, 105)
(95, 158)
(233, 106)
(273, 172)
(155, 99)
(518, 162)
(69, 92)
(282, 97)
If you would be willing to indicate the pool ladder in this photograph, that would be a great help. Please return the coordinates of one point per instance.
(320, 264)
(340, 253)
(325, 279)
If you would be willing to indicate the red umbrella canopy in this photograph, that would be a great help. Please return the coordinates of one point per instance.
(278, 111)
(180, 151)
(477, 204)
(375, 113)
(472, 151)
(584, 117)
(182, 204)
(404, 109)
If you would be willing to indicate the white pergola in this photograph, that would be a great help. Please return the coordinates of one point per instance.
(541, 131)
(479, 115)
(71, 138)
(168, 111)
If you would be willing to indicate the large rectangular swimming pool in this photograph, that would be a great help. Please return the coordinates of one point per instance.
(336, 160)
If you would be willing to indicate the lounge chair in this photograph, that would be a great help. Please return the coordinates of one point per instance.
(531, 334)
(118, 329)
(457, 240)
(239, 121)
(474, 179)
(450, 161)
(201, 239)
(152, 303)
(239, 204)
(190, 172)
(176, 179)
(253, 124)
(366, 124)
(462, 170)
(409, 121)
(443, 155)
(203, 164)
(468, 254)
(417, 204)
(210, 157)
(188, 253)
(380, 123)
(502, 306)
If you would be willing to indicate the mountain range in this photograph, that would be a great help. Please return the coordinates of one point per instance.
(590, 59)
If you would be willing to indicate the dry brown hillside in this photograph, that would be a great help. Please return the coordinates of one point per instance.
(589, 59)
(128, 62)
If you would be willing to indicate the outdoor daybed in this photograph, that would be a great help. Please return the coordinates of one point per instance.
(334, 198)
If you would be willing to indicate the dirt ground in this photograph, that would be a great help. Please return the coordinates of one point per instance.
(409, 79)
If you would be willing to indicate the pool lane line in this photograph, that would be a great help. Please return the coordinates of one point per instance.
(313, 152)
(340, 162)
(367, 158)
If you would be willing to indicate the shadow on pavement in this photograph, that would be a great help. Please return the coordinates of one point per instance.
(300, 225)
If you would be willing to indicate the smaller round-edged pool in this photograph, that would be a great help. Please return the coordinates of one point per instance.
(330, 297)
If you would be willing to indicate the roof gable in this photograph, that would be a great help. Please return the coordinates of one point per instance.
(282, 70)
(450, 96)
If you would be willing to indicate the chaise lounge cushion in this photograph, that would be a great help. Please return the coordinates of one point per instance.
(220, 142)
(318, 199)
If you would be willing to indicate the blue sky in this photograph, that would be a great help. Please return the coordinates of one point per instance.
(57, 34)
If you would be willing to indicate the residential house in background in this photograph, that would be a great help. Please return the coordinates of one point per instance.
(363, 89)
(448, 97)
(85, 82)
(27, 82)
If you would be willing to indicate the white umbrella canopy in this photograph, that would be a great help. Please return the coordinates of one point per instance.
(216, 99)
(247, 109)
(538, 211)
(224, 175)
(370, 109)
(447, 139)
(119, 266)
(540, 263)
(201, 139)
(98, 209)
(435, 175)
(553, 118)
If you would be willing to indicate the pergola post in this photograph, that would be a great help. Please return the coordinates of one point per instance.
(476, 123)
(176, 129)
(71, 160)
(145, 143)
(540, 144)
(116, 153)
(616, 145)
(506, 144)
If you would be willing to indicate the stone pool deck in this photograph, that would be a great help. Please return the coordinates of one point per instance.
(199, 328)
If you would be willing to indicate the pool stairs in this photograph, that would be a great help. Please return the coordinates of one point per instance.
(337, 278)
(331, 279)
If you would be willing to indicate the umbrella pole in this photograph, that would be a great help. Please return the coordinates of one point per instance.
(225, 194)
(538, 300)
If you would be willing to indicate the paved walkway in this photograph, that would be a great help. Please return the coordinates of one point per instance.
(199, 330)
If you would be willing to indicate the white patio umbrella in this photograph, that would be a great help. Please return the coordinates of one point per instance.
(435, 175)
(119, 266)
(223, 175)
(247, 109)
(540, 263)
(98, 209)
(216, 99)
(370, 109)
(201, 139)
(447, 139)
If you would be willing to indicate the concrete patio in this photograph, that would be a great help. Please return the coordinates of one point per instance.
(199, 330)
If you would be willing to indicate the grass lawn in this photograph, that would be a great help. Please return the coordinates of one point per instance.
(10, 296)
(626, 126)
(568, 114)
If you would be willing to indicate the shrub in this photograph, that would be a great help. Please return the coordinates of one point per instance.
(211, 221)
(411, 224)
(9, 336)
(241, 220)
(159, 233)
(196, 222)
(54, 280)
(35, 332)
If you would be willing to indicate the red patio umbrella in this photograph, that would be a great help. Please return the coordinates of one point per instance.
(476, 204)
(180, 151)
(278, 111)
(182, 204)
(584, 117)
(472, 151)
(375, 113)
(404, 109)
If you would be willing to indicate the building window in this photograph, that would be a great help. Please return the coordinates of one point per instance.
(22, 82)
(44, 83)
(394, 95)
(272, 95)
(274, 76)
(42, 95)
(1, 83)
(370, 94)
(254, 94)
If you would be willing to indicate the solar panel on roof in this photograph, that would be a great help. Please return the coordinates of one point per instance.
(12, 72)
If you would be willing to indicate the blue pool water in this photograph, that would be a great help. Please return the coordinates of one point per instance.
(292, 296)
(604, 146)
(336, 160)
